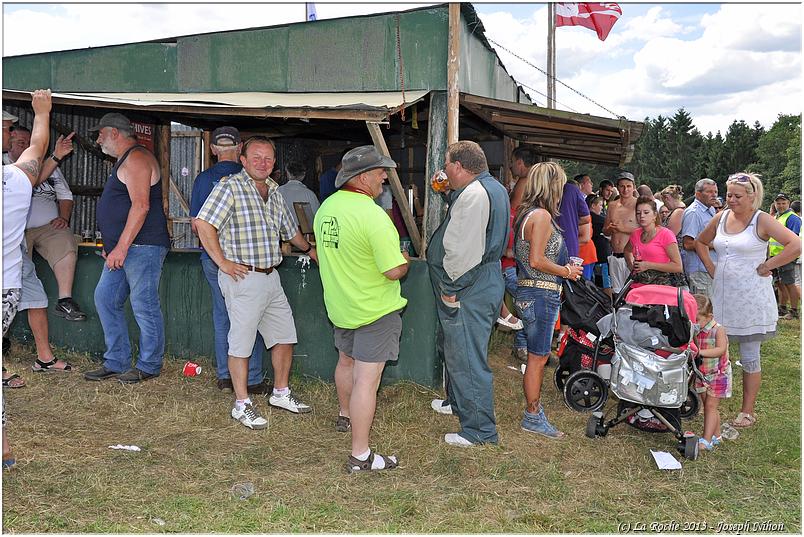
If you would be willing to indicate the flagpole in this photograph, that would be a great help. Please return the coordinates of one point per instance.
(551, 55)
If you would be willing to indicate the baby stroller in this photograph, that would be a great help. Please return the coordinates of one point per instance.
(653, 361)
(582, 354)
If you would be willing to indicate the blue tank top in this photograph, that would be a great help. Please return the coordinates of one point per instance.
(113, 207)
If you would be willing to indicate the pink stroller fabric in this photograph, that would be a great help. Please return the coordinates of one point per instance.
(647, 295)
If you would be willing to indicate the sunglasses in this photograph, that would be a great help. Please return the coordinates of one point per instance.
(741, 178)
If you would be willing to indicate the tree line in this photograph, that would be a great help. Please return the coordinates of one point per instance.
(673, 151)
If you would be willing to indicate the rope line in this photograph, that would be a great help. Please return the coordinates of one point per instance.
(517, 56)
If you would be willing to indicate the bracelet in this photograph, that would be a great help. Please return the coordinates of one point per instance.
(569, 270)
(56, 159)
(309, 247)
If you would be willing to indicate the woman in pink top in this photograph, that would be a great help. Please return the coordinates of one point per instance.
(652, 252)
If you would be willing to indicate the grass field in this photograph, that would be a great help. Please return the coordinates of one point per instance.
(67, 480)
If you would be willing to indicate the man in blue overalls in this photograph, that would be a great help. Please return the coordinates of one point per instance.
(464, 261)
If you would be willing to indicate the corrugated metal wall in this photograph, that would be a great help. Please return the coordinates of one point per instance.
(86, 169)
(185, 165)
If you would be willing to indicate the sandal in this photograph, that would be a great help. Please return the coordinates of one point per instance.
(343, 424)
(45, 367)
(9, 382)
(355, 465)
(744, 420)
(507, 324)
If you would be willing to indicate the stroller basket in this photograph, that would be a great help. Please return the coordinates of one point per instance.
(641, 376)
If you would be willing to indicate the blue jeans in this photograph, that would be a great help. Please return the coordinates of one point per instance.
(520, 339)
(220, 322)
(138, 281)
(538, 309)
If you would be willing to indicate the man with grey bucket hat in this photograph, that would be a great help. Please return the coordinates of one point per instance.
(361, 265)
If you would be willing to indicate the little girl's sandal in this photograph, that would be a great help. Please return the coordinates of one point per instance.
(47, 367)
(703, 443)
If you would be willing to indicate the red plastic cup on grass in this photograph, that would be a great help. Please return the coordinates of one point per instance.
(191, 369)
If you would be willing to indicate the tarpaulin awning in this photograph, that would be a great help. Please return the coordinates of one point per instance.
(358, 105)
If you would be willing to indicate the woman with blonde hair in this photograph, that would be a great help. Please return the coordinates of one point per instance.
(542, 265)
(742, 292)
(671, 197)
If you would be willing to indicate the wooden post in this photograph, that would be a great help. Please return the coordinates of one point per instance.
(551, 55)
(163, 157)
(453, 67)
(434, 204)
(396, 188)
(207, 161)
(509, 145)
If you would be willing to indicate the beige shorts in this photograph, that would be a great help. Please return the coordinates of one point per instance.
(256, 303)
(52, 244)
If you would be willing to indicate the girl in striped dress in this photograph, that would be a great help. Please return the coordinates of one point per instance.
(713, 348)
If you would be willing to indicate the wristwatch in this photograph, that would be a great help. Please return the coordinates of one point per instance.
(56, 159)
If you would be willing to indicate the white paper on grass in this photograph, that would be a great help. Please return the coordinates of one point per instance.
(665, 460)
(127, 448)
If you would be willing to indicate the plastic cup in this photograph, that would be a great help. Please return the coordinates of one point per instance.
(577, 261)
(191, 369)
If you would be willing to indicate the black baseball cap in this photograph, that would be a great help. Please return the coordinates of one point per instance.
(225, 136)
(781, 196)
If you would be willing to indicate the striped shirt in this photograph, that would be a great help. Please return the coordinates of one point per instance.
(249, 229)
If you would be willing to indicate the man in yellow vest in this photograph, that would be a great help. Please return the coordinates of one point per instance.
(785, 276)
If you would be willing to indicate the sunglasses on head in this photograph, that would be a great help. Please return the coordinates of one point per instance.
(741, 178)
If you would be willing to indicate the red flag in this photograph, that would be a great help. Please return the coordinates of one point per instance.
(597, 17)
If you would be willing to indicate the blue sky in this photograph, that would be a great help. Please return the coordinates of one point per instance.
(718, 61)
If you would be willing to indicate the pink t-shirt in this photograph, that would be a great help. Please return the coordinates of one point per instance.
(656, 250)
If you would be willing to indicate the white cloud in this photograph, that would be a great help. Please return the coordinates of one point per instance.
(744, 63)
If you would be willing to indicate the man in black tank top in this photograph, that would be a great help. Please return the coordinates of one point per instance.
(135, 242)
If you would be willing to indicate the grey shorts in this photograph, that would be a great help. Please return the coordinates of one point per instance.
(33, 292)
(256, 303)
(786, 274)
(374, 342)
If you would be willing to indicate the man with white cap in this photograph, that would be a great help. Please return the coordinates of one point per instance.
(240, 226)
(361, 265)
(226, 147)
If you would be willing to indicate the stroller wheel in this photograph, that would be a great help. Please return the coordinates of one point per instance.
(585, 391)
(691, 447)
(560, 377)
(691, 406)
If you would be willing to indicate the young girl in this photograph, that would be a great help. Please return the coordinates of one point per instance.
(713, 345)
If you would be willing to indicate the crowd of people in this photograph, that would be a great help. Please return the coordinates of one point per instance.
(526, 239)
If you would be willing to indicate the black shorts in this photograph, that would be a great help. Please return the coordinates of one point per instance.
(786, 274)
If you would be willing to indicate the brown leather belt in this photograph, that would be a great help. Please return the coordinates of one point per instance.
(258, 269)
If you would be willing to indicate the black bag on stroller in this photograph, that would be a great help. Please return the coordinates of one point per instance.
(583, 304)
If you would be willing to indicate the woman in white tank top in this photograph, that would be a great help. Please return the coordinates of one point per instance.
(743, 299)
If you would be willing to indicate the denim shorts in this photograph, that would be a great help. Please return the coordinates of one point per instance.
(538, 309)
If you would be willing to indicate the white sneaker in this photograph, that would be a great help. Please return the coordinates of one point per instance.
(290, 403)
(250, 417)
(508, 324)
(439, 406)
(454, 439)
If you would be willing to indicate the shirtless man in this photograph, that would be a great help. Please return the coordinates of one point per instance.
(620, 223)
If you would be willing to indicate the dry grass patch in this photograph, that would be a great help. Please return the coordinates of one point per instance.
(68, 480)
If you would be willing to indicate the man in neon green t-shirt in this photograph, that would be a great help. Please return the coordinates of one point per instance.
(361, 264)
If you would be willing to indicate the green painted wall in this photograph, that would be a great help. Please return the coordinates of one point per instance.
(349, 54)
(186, 305)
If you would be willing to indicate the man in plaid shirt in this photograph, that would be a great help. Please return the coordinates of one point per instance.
(240, 226)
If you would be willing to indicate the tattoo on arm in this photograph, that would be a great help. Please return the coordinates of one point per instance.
(31, 169)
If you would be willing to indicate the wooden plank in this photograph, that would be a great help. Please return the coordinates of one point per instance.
(508, 148)
(434, 204)
(453, 67)
(175, 189)
(207, 162)
(508, 119)
(163, 157)
(396, 188)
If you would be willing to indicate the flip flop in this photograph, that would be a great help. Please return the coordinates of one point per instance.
(744, 420)
(9, 382)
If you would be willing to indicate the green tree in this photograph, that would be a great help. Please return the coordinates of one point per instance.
(739, 146)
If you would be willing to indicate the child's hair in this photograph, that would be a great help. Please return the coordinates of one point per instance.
(704, 305)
